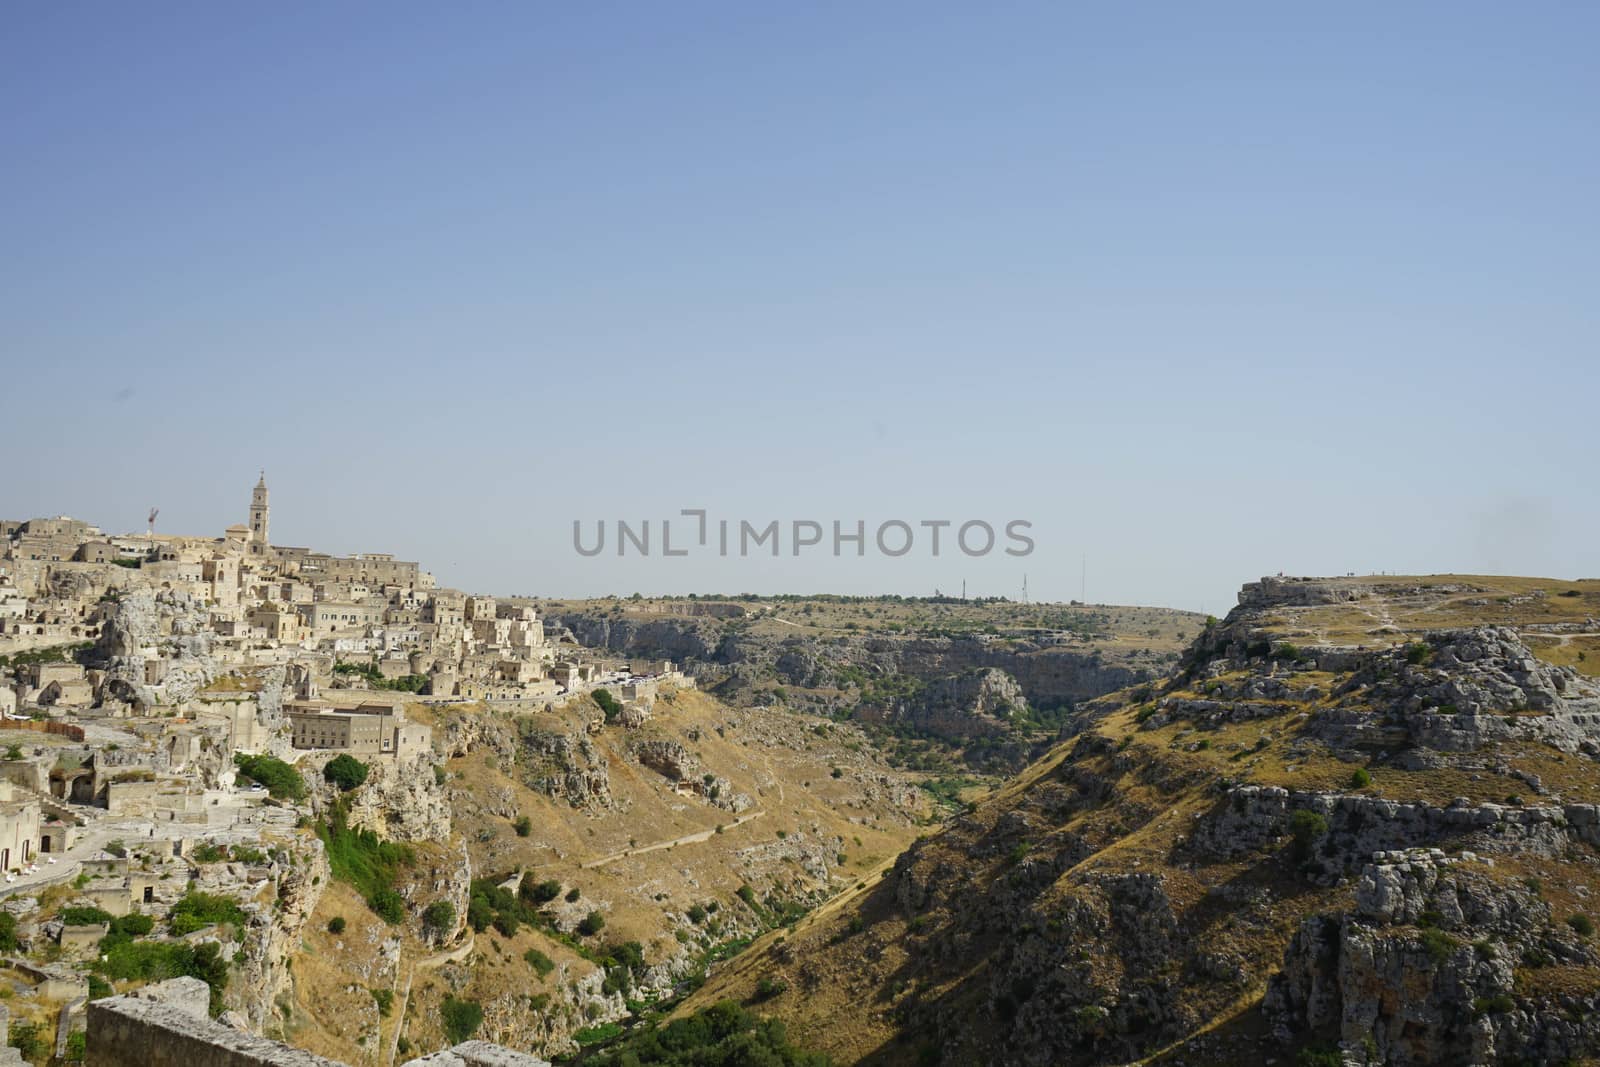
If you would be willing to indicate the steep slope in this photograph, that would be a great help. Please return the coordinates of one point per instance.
(1358, 825)
(687, 832)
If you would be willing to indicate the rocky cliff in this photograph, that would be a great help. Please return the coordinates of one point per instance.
(1003, 686)
(172, 632)
(1358, 825)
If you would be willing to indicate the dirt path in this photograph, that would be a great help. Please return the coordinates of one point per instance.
(427, 963)
(1559, 639)
(686, 839)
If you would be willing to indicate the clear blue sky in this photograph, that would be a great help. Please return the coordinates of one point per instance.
(1202, 291)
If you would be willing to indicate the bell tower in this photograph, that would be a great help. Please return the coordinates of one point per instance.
(259, 515)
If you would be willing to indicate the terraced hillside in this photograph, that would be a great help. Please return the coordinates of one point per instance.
(1359, 824)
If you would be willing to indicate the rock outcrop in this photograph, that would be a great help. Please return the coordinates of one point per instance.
(1423, 971)
(155, 649)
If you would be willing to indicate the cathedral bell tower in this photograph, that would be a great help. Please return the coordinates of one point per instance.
(259, 516)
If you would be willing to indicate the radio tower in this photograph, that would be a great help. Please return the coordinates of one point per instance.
(1024, 588)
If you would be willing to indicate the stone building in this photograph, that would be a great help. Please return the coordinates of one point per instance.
(19, 827)
(367, 729)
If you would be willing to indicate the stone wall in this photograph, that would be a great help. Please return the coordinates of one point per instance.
(166, 1025)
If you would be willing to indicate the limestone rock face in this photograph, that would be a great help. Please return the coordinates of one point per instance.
(171, 631)
(740, 664)
(565, 765)
(274, 934)
(669, 759)
(401, 800)
(976, 702)
(1473, 671)
(1396, 992)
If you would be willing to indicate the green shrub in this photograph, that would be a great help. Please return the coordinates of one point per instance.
(440, 916)
(573, 894)
(84, 916)
(280, 779)
(768, 988)
(388, 905)
(346, 772)
(1495, 1005)
(24, 1036)
(154, 961)
(1418, 653)
(1360, 779)
(361, 859)
(609, 705)
(1582, 924)
(523, 826)
(336, 925)
(539, 962)
(592, 924)
(1306, 827)
(597, 1035)
(1438, 945)
(461, 1018)
(384, 999)
(723, 1035)
(133, 924)
(1319, 1056)
(196, 911)
(540, 892)
(209, 852)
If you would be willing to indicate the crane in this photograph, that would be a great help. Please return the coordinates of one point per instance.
(151, 522)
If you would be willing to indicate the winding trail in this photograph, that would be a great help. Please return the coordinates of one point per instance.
(427, 963)
(686, 839)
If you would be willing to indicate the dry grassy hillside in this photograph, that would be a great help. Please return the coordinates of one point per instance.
(1225, 868)
(659, 827)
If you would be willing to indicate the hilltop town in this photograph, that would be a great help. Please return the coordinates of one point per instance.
(165, 698)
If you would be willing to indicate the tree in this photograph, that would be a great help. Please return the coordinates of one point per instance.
(540, 892)
(280, 779)
(440, 917)
(346, 772)
(336, 925)
(480, 913)
(610, 705)
(592, 924)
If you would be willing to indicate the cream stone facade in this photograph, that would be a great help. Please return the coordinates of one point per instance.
(19, 827)
(362, 729)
